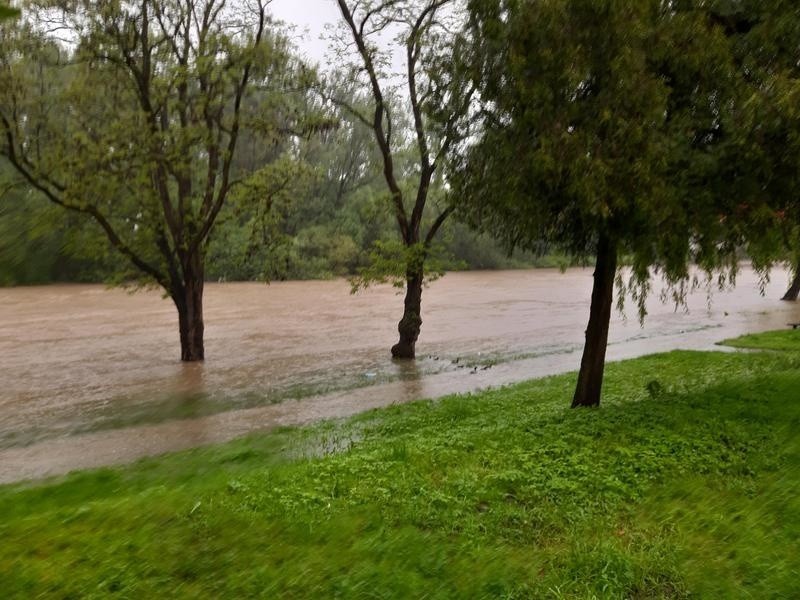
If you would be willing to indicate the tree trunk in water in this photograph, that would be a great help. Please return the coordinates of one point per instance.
(590, 377)
(189, 301)
(411, 322)
(794, 290)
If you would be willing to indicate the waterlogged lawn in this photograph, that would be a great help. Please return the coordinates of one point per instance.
(685, 483)
(784, 340)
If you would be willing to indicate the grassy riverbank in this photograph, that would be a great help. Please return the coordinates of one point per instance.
(686, 482)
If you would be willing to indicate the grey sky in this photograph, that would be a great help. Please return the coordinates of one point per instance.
(309, 17)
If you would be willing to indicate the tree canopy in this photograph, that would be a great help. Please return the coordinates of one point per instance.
(135, 120)
(8, 12)
(433, 101)
(604, 130)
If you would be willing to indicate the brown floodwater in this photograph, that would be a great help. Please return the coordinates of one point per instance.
(90, 376)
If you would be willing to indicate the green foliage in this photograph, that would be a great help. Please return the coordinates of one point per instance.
(764, 34)
(39, 243)
(464, 248)
(286, 234)
(316, 209)
(785, 340)
(602, 119)
(251, 241)
(500, 494)
(391, 262)
(138, 135)
(7, 12)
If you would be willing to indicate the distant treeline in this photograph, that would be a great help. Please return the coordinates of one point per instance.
(41, 244)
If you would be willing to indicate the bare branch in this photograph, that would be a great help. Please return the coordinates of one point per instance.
(380, 111)
(209, 215)
(437, 224)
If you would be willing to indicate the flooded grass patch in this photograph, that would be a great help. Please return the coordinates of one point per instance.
(133, 411)
(784, 340)
(120, 413)
(688, 492)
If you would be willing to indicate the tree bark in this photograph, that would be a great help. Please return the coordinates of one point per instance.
(590, 377)
(794, 289)
(411, 322)
(188, 298)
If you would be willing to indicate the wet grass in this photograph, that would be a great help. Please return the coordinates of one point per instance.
(784, 340)
(686, 483)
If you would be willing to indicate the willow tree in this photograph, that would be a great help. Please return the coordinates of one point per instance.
(432, 98)
(130, 114)
(603, 125)
(765, 35)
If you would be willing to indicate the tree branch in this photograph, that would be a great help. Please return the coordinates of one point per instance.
(209, 216)
(14, 159)
(380, 111)
(437, 224)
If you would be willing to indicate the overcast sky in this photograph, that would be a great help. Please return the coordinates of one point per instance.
(309, 17)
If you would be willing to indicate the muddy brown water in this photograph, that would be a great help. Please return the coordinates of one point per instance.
(89, 376)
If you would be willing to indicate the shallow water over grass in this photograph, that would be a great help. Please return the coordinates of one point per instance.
(89, 375)
(690, 491)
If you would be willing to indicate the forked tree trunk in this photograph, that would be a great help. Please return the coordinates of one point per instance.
(794, 289)
(411, 322)
(590, 377)
(188, 299)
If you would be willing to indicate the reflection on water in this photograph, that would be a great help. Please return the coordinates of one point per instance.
(411, 378)
(91, 372)
(190, 379)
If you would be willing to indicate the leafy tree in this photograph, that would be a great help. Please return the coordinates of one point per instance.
(764, 34)
(437, 101)
(136, 126)
(311, 220)
(7, 12)
(40, 244)
(603, 131)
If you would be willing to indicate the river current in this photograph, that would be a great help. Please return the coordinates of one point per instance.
(90, 376)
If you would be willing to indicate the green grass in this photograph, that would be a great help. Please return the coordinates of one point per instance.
(784, 340)
(686, 483)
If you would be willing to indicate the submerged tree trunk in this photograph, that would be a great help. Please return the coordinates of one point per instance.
(794, 289)
(590, 377)
(411, 322)
(188, 298)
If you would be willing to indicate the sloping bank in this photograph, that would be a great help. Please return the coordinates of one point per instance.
(686, 482)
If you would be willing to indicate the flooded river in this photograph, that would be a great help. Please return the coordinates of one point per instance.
(89, 376)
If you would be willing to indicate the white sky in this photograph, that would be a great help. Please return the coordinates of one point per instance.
(309, 17)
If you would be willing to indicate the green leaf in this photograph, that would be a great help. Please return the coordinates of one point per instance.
(7, 12)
